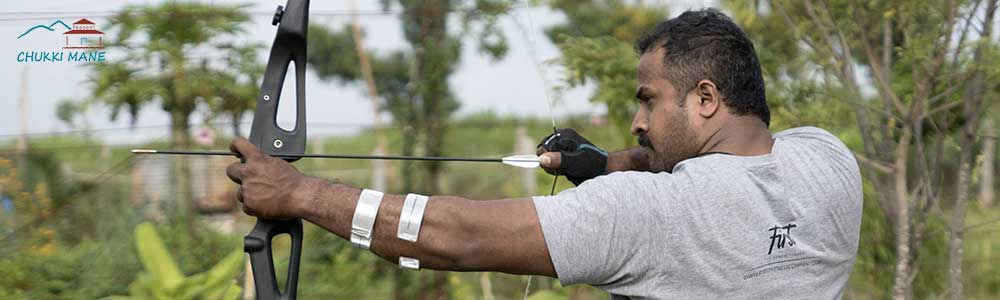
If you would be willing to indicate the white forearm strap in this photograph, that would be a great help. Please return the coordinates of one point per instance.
(409, 263)
(411, 216)
(363, 223)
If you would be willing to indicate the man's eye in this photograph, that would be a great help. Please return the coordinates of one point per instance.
(646, 100)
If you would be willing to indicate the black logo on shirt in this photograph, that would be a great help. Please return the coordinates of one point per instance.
(781, 236)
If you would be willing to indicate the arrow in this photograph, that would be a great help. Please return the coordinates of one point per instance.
(526, 161)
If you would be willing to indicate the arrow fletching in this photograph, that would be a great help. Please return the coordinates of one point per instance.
(521, 161)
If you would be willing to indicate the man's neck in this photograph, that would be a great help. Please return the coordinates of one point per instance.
(742, 136)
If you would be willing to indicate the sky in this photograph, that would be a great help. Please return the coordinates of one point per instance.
(516, 85)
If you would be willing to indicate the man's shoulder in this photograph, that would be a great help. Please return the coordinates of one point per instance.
(805, 132)
(818, 150)
(813, 137)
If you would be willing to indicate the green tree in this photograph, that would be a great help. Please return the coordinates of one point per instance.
(595, 43)
(413, 84)
(334, 57)
(435, 55)
(163, 63)
(910, 73)
(236, 89)
(160, 44)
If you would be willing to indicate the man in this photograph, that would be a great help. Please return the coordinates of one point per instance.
(711, 206)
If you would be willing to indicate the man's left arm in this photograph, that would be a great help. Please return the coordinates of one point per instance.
(456, 234)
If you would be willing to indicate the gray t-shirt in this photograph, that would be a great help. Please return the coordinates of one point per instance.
(777, 226)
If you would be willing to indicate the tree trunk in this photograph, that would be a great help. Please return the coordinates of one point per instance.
(957, 225)
(901, 285)
(986, 193)
(975, 91)
(180, 138)
(411, 122)
(434, 147)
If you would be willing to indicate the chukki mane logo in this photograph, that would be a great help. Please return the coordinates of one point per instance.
(82, 42)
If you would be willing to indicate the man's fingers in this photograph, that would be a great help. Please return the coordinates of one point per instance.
(550, 160)
(235, 172)
(246, 149)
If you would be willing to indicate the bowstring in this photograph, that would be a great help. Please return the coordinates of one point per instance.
(539, 68)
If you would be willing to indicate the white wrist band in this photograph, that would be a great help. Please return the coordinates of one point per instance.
(363, 223)
(411, 216)
(409, 263)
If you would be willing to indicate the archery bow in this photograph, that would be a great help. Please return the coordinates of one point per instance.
(289, 46)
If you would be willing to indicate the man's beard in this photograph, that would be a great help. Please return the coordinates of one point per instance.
(677, 145)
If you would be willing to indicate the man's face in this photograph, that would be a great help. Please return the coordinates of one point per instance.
(661, 123)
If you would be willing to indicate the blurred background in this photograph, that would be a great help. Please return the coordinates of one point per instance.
(910, 86)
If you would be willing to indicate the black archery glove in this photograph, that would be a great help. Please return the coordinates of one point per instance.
(581, 160)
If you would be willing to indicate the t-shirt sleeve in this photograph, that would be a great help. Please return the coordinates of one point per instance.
(593, 231)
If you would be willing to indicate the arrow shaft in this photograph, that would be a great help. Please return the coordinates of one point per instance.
(334, 156)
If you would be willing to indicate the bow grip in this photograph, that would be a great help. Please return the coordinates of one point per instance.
(258, 245)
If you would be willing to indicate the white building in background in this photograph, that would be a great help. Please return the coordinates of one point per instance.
(84, 35)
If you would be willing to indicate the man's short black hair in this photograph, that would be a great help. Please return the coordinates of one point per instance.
(706, 44)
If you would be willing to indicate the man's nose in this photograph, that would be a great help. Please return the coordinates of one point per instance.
(639, 124)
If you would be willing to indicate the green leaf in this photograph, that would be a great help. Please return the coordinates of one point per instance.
(156, 259)
(215, 282)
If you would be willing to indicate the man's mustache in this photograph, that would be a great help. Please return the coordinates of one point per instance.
(645, 142)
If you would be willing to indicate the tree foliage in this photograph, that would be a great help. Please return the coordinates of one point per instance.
(160, 43)
(910, 74)
(596, 47)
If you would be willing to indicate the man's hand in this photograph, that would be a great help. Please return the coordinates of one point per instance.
(567, 153)
(270, 188)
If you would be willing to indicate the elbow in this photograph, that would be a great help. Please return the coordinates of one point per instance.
(452, 241)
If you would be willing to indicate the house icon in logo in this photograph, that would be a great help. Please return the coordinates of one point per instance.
(84, 36)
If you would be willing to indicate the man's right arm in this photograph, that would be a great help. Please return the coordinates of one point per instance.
(631, 159)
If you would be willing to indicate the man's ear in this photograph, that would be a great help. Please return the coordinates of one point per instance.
(709, 99)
